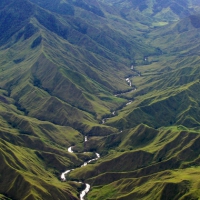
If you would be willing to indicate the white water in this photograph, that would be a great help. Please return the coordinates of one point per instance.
(70, 150)
(87, 189)
(130, 102)
(89, 161)
(98, 155)
(84, 192)
(103, 121)
(128, 81)
(63, 178)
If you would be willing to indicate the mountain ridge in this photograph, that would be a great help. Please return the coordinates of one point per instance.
(115, 77)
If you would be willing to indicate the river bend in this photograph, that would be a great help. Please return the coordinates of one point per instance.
(87, 186)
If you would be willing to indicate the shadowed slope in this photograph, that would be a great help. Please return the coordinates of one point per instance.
(83, 83)
(24, 176)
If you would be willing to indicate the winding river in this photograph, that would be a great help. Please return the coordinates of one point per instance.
(87, 186)
(103, 121)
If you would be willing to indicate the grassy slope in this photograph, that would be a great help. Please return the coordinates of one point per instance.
(25, 171)
(152, 163)
(154, 13)
(160, 109)
(187, 30)
(73, 91)
(34, 152)
(174, 76)
(65, 77)
(160, 161)
(81, 84)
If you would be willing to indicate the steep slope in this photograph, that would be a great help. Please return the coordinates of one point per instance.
(155, 13)
(23, 82)
(24, 176)
(181, 37)
(163, 109)
(85, 73)
(105, 70)
(56, 73)
(159, 162)
(33, 154)
(174, 76)
(148, 163)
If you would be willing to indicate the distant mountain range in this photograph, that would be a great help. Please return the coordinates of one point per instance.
(123, 73)
(152, 11)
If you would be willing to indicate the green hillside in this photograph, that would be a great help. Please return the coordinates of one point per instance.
(155, 13)
(123, 73)
(146, 164)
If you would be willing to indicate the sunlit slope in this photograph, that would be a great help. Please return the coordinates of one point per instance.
(33, 155)
(24, 176)
(63, 63)
(167, 88)
(33, 91)
(51, 60)
(178, 38)
(48, 93)
(144, 160)
(43, 81)
(172, 107)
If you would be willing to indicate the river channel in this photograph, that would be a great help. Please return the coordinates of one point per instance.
(87, 186)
